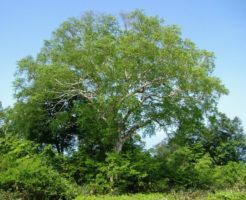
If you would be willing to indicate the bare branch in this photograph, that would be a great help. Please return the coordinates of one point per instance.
(137, 126)
(142, 88)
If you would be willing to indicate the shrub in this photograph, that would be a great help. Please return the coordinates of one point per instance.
(25, 171)
(227, 176)
(204, 170)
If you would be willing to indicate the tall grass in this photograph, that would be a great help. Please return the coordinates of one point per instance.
(195, 195)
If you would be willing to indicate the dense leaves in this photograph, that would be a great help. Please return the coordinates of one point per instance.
(24, 169)
(95, 88)
(100, 83)
(204, 157)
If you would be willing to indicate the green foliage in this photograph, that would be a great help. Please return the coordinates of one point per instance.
(204, 172)
(186, 169)
(227, 176)
(193, 195)
(23, 170)
(7, 195)
(228, 195)
(132, 171)
(123, 197)
(205, 156)
(225, 140)
(93, 89)
(102, 83)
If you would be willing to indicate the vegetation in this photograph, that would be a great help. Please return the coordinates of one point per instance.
(24, 170)
(200, 195)
(96, 88)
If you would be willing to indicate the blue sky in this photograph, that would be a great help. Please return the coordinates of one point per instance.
(215, 25)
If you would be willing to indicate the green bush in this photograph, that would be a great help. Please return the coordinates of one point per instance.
(124, 197)
(129, 172)
(230, 175)
(25, 171)
(187, 169)
(204, 172)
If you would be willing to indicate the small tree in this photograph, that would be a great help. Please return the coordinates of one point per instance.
(224, 140)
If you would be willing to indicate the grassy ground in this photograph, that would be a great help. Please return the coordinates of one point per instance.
(222, 195)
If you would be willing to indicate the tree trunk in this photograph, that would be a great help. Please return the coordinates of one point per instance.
(118, 146)
(120, 143)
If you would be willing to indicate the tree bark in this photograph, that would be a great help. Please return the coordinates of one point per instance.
(119, 145)
(127, 134)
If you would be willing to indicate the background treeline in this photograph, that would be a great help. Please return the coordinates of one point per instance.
(94, 88)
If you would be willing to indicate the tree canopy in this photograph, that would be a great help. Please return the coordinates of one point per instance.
(110, 79)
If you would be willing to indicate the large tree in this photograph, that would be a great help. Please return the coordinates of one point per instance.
(104, 80)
